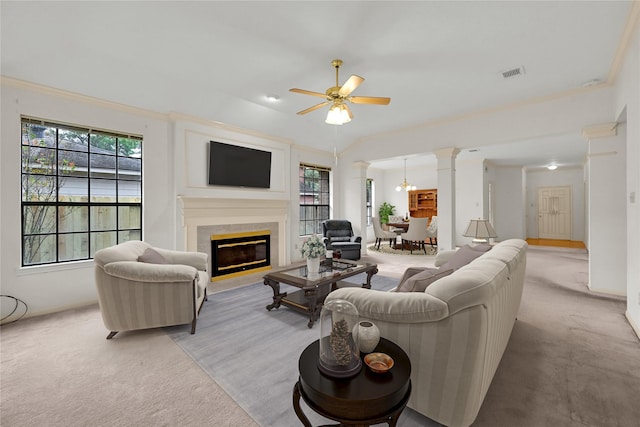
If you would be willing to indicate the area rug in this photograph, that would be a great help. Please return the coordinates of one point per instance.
(386, 249)
(253, 353)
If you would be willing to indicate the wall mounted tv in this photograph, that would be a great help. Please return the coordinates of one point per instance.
(237, 166)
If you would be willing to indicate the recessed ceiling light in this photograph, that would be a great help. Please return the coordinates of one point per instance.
(552, 167)
(273, 98)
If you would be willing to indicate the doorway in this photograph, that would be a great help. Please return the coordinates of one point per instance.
(554, 213)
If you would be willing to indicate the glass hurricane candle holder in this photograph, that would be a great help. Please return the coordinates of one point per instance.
(339, 352)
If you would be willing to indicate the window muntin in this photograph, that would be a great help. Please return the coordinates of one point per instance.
(369, 201)
(81, 191)
(315, 198)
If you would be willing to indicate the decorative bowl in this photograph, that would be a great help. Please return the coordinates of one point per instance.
(378, 362)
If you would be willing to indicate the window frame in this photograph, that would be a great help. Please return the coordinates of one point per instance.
(369, 192)
(56, 170)
(313, 214)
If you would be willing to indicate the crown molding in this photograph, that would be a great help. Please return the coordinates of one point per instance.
(625, 42)
(175, 116)
(601, 130)
(51, 91)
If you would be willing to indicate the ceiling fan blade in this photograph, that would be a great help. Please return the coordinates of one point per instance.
(346, 107)
(315, 107)
(369, 100)
(350, 85)
(308, 92)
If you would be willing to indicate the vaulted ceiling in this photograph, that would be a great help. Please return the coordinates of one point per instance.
(221, 60)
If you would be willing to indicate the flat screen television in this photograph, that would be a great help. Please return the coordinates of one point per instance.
(236, 166)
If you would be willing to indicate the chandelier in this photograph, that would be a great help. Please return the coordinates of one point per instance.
(405, 185)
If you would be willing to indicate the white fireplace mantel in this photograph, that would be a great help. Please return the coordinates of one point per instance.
(203, 211)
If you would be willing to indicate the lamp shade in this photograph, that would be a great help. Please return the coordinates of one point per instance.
(480, 230)
(337, 115)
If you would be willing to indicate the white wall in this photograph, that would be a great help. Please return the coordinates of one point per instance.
(509, 221)
(563, 176)
(627, 102)
(607, 186)
(56, 287)
(470, 196)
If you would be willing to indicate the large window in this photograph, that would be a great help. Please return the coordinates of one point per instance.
(81, 191)
(369, 201)
(315, 197)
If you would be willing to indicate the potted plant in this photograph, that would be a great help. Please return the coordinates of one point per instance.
(385, 210)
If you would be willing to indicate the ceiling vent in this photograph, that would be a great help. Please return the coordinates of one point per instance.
(513, 72)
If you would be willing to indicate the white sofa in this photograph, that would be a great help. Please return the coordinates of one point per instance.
(454, 332)
(142, 287)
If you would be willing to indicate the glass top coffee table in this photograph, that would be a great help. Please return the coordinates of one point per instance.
(314, 287)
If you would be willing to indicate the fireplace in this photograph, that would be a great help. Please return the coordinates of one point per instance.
(240, 253)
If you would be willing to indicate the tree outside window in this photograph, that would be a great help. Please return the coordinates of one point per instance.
(315, 198)
(81, 191)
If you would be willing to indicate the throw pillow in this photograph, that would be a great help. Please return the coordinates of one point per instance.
(422, 280)
(151, 256)
(461, 257)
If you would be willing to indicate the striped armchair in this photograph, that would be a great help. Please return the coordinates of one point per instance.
(141, 287)
(455, 331)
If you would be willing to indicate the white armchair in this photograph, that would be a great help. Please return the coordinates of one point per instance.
(142, 287)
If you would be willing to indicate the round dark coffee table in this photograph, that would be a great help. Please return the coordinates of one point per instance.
(365, 399)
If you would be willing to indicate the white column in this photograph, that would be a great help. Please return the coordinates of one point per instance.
(357, 213)
(606, 206)
(446, 197)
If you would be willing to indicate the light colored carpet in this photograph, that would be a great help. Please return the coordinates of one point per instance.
(572, 360)
(59, 370)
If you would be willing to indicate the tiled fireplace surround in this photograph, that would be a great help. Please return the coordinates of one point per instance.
(202, 217)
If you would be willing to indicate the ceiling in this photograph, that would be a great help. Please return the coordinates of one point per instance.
(220, 60)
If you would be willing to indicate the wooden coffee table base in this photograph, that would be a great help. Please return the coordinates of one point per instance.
(312, 291)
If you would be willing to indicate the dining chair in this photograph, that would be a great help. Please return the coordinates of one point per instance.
(432, 231)
(382, 234)
(416, 234)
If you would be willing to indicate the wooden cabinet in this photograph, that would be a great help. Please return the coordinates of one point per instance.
(423, 203)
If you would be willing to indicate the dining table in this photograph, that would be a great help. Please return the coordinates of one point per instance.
(404, 225)
(399, 228)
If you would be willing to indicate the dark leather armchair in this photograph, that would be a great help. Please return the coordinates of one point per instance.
(338, 236)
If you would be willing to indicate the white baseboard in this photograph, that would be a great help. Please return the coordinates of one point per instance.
(633, 324)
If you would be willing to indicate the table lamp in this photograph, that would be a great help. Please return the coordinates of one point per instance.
(481, 230)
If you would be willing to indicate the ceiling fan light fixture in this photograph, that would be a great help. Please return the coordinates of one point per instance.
(337, 96)
(337, 115)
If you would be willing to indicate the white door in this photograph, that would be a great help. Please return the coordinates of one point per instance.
(554, 213)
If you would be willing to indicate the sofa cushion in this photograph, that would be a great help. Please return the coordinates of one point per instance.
(461, 257)
(151, 256)
(472, 285)
(335, 238)
(419, 282)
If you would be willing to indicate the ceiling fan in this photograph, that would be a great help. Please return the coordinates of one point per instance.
(339, 112)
